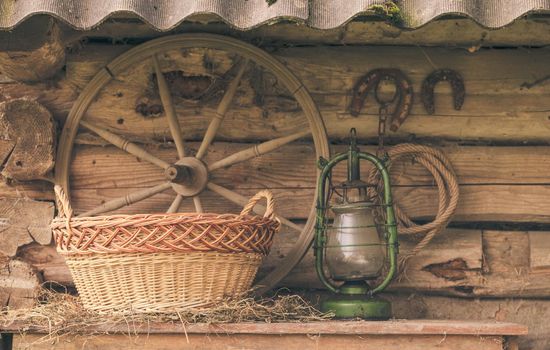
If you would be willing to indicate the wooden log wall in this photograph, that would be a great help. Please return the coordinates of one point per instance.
(498, 144)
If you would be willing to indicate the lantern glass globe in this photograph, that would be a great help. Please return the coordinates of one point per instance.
(354, 250)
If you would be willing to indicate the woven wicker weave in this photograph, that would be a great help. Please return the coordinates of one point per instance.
(162, 262)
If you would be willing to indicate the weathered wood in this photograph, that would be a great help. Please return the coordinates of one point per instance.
(529, 312)
(58, 97)
(169, 108)
(455, 263)
(125, 145)
(221, 110)
(46, 260)
(461, 32)
(94, 167)
(452, 259)
(19, 284)
(496, 96)
(504, 272)
(417, 334)
(333, 327)
(257, 150)
(23, 221)
(128, 199)
(30, 130)
(539, 249)
(35, 59)
(262, 342)
(493, 80)
(494, 181)
(503, 178)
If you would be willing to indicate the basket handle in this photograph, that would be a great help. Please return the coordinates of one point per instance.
(255, 199)
(63, 206)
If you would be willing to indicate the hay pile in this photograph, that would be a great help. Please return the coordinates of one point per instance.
(62, 313)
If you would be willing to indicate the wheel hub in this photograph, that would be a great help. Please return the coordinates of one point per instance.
(188, 176)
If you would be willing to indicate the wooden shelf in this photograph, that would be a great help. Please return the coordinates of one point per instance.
(365, 335)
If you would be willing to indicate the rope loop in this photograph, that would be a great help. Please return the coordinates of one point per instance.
(440, 167)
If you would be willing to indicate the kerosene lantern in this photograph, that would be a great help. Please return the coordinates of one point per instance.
(356, 248)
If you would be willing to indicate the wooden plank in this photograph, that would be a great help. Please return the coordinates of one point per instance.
(493, 82)
(33, 51)
(504, 272)
(529, 312)
(23, 221)
(494, 181)
(539, 249)
(454, 263)
(261, 342)
(495, 96)
(103, 167)
(461, 32)
(427, 271)
(332, 327)
(505, 203)
(103, 173)
(19, 284)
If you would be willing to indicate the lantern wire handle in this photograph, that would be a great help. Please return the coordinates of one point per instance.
(352, 156)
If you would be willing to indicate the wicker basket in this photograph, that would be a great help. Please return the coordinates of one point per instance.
(162, 262)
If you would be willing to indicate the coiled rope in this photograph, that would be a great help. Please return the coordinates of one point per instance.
(440, 167)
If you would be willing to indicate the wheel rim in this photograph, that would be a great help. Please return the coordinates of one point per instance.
(150, 50)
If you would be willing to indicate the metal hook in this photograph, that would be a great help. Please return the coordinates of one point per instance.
(403, 95)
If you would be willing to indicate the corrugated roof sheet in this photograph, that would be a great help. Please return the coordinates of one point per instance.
(245, 14)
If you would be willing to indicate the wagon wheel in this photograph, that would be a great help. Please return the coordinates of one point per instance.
(189, 176)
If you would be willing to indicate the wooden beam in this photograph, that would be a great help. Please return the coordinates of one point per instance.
(493, 81)
(461, 32)
(33, 51)
(539, 248)
(262, 342)
(418, 334)
(465, 263)
(23, 221)
(330, 327)
(497, 183)
(19, 284)
(30, 129)
(496, 94)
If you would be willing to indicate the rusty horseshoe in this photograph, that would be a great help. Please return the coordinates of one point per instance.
(402, 98)
(457, 84)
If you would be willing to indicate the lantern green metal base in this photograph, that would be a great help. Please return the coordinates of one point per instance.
(358, 306)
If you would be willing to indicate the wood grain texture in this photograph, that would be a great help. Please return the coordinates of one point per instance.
(262, 342)
(464, 263)
(493, 81)
(539, 249)
(408, 327)
(455, 32)
(493, 85)
(497, 183)
(30, 129)
(19, 284)
(38, 63)
(23, 221)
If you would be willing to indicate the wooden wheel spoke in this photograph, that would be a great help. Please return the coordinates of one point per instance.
(174, 207)
(256, 150)
(128, 199)
(242, 201)
(221, 111)
(169, 109)
(126, 145)
(198, 204)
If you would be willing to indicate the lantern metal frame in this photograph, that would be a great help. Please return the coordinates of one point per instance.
(355, 298)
